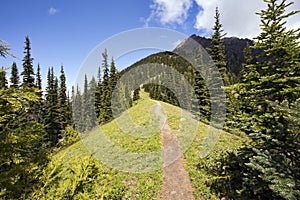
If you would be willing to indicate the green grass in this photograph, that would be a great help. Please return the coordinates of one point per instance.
(74, 174)
(200, 168)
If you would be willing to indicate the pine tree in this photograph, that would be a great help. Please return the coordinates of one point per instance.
(52, 115)
(62, 100)
(113, 77)
(14, 79)
(38, 78)
(39, 108)
(86, 104)
(240, 98)
(78, 112)
(92, 112)
(217, 52)
(28, 73)
(202, 95)
(3, 81)
(69, 113)
(270, 93)
(104, 114)
(71, 107)
(62, 88)
(235, 115)
(98, 93)
(23, 154)
(247, 55)
(136, 94)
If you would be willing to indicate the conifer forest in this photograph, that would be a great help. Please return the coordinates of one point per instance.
(45, 124)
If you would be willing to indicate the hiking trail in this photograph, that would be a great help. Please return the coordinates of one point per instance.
(176, 180)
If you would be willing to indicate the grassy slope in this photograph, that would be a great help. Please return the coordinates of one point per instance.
(73, 173)
(197, 168)
(65, 176)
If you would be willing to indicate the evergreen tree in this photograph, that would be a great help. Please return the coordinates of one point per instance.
(28, 73)
(71, 107)
(78, 112)
(247, 55)
(3, 81)
(270, 94)
(23, 153)
(217, 52)
(240, 109)
(136, 94)
(38, 78)
(63, 101)
(14, 79)
(276, 158)
(52, 115)
(92, 112)
(202, 95)
(62, 88)
(39, 108)
(113, 79)
(69, 110)
(98, 93)
(86, 104)
(104, 114)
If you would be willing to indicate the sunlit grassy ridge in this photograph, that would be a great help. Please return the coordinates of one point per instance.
(200, 168)
(74, 174)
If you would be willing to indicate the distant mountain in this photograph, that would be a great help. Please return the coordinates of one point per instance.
(234, 48)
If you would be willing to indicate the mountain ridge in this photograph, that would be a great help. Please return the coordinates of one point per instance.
(234, 51)
(234, 48)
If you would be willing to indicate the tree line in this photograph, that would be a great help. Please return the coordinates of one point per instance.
(34, 123)
(31, 123)
(93, 106)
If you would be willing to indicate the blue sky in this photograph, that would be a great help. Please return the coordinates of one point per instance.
(66, 31)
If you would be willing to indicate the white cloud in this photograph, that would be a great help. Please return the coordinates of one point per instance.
(170, 11)
(237, 16)
(52, 11)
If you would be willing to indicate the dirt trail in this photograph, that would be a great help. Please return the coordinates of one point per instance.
(176, 180)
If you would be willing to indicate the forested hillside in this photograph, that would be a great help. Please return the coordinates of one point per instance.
(44, 132)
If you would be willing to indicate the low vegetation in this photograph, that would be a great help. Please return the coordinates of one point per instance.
(74, 173)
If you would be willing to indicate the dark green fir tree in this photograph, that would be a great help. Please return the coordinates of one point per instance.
(64, 112)
(98, 93)
(136, 94)
(38, 78)
(104, 114)
(14, 78)
(217, 52)
(3, 80)
(28, 72)
(270, 91)
(52, 115)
